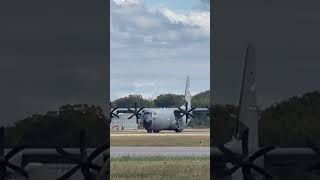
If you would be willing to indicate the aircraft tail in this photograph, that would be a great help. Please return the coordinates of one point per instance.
(248, 114)
(187, 95)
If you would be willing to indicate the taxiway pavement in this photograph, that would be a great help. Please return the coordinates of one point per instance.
(119, 151)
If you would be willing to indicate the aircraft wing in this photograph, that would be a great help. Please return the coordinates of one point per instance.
(278, 155)
(278, 162)
(47, 156)
(125, 110)
(196, 112)
(201, 111)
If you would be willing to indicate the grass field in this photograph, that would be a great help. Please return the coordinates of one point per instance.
(190, 137)
(193, 141)
(143, 131)
(160, 168)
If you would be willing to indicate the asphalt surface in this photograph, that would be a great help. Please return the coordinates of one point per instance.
(119, 151)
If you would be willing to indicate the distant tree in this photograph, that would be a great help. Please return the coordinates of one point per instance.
(60, 128)
(201, 100)
(288, 123)
(223, 123)
(129, 101)
(169, 100)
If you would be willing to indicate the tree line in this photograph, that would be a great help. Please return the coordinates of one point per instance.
(60, 128)
(164, 100)
(286, 123)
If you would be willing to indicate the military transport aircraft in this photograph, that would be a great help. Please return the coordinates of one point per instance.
(157, 119)
(243, 159)
(23, 162)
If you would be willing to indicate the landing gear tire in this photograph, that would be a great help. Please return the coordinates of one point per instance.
(178, 131)
(152, 131)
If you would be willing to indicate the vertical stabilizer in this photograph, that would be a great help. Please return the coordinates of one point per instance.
(248, 115)
(187, 94)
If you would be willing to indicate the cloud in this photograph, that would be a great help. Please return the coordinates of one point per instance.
(159, 25)
(128, 2)
(158, 44)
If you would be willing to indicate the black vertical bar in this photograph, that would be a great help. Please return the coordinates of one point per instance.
(2, 165)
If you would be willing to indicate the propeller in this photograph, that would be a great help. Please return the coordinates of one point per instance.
(186, 112)
(244, 161)
(4, 159)
(136, 112)
(315, 148)
(84, 162)
(112, 114)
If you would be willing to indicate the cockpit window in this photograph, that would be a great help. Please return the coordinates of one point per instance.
(147, 113)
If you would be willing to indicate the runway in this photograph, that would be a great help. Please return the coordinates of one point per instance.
(160, 134)
(120, 151)
(187, 132)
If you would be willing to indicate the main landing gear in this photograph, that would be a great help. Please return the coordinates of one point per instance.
(178, 130)
(152, 131)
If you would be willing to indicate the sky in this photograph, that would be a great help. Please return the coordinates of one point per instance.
(155, 44)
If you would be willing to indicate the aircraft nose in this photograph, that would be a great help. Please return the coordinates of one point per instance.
(147, 123)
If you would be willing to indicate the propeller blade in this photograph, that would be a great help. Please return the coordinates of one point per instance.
(69, 173)
(229, 172)
(93, 166)
(245, 145)
(14, 151)
(191, 116)
(18, 170)
(115, 115)
(246, 173)
(182, 110)
(191, 110)
(114, 109)
(261, 152)
(226, 151)
(261, 171)
(67, 155)
(98, 151)
(83, 150)
(140, 109)
(63, 152)
(131, 116)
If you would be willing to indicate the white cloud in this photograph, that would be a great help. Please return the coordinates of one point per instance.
(199, 20)
(128, 2)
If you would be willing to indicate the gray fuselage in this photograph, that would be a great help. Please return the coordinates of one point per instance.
(158, 119)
